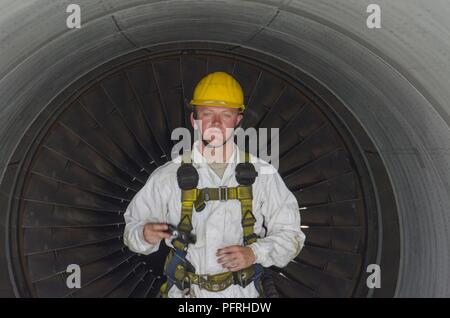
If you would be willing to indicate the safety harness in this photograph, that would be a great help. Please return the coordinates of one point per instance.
(178, 270)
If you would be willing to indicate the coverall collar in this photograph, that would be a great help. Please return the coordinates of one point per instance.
(200, 162)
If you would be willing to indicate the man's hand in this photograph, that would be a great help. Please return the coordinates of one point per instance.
(235, 258)
(155, 232)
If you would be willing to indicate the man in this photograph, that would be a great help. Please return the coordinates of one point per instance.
(242, 218)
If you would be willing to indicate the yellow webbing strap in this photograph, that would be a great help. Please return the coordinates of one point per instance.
(188, 197)
(245, 196)
(248, 219)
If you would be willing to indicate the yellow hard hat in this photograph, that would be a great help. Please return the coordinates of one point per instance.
(219, 89)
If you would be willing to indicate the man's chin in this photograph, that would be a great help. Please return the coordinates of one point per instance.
(214, 144)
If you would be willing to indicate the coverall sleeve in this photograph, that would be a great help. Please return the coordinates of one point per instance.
(284, 238)
(147, 206)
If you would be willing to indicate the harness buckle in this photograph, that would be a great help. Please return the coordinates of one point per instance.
(202, 280)
(206, 194)
(242, 277)
(223, 193)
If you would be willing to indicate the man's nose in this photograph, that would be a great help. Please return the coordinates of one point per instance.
(217, 120)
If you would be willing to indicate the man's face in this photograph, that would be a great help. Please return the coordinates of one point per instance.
(217, 123)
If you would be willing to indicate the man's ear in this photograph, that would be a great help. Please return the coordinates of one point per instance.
(192, 120)
(239, 119)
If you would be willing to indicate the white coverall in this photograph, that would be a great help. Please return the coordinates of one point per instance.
(219, 224)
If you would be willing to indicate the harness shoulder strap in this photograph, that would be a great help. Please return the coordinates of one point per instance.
(245, 176)
(187, 177)
(176, 263)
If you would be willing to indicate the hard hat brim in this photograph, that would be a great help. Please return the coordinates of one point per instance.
(217, 103)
